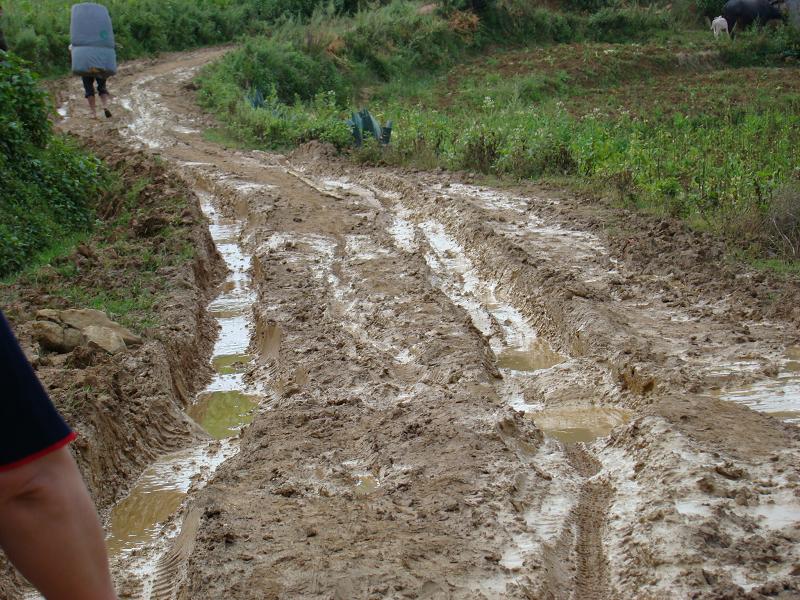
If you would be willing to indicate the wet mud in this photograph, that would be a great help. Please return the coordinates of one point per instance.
(433, 389)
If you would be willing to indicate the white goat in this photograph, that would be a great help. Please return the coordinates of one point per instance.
(719, 25)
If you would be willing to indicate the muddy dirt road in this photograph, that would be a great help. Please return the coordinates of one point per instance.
(459, 392)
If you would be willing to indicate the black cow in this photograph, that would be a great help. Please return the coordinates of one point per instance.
(740, 14)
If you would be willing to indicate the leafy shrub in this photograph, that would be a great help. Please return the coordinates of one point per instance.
(591, 6)
(763, 47)
(266, 64)
(47, 185)
(526, 20)
(610, 25)
(708, 8)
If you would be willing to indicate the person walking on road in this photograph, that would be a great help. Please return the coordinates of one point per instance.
(102, 91)
(49, 527)
(94, 56)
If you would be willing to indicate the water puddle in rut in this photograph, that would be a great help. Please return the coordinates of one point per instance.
(222, 414)
(537, 355)
(579, 424)
(366, 485)
(138, 536)
(779, 396)
(520, 352)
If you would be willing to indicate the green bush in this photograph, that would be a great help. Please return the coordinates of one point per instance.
(708, 8)
(611, 25)
(265, 64)
(590, 6)
(47, 185)
(763, 47)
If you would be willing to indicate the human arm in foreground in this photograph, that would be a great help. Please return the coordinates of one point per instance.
(50, 530)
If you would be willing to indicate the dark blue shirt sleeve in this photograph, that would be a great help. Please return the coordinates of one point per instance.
(30, 426)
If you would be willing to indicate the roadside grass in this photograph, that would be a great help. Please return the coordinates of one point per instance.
(224, 137)
(132, 307)
(784, 268)
(57, 250)
(116, 267)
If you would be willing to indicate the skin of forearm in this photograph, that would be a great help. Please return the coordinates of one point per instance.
(50, 530)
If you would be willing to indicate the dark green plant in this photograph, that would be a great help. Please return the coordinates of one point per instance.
(364, 125)
(47, 185)
(708, 8)
(763, 47)
(590, 6)
(265, 64)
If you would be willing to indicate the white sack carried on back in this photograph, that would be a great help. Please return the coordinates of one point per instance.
(92, 41)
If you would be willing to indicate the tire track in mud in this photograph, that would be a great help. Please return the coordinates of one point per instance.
(590, 515)
(390, 462)
(584, 523)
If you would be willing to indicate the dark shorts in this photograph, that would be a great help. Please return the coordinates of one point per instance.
(30, 426)
(88, 86)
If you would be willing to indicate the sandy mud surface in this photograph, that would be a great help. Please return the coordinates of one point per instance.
(464, 392)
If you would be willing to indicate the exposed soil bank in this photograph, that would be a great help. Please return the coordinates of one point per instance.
(128, 408)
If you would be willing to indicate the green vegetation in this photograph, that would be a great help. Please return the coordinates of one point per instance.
(48, 184)
(615, 98)
(297, 80)
(38, 30)
(125, 266)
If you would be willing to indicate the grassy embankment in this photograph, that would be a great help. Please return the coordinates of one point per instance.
(621, 101)
(56, 196)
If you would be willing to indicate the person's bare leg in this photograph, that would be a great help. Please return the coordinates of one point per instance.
(104, 98)
(92, 105)
(50, 530)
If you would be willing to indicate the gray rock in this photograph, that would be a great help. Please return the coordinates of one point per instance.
(104, 338)
(56, 338)
(87, 317)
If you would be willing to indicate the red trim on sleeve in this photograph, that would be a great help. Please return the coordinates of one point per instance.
(37, 455)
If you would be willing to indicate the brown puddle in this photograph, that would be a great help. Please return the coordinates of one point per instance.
(133, 518)
(231, 363)
(571, 425)
(222, 414)
(157, 494)
(366, 485)
(777, 396)
(538, 355)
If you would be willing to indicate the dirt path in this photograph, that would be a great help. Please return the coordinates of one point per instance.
(442, 366)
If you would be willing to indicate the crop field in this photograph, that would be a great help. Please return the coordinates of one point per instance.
(664, 117)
